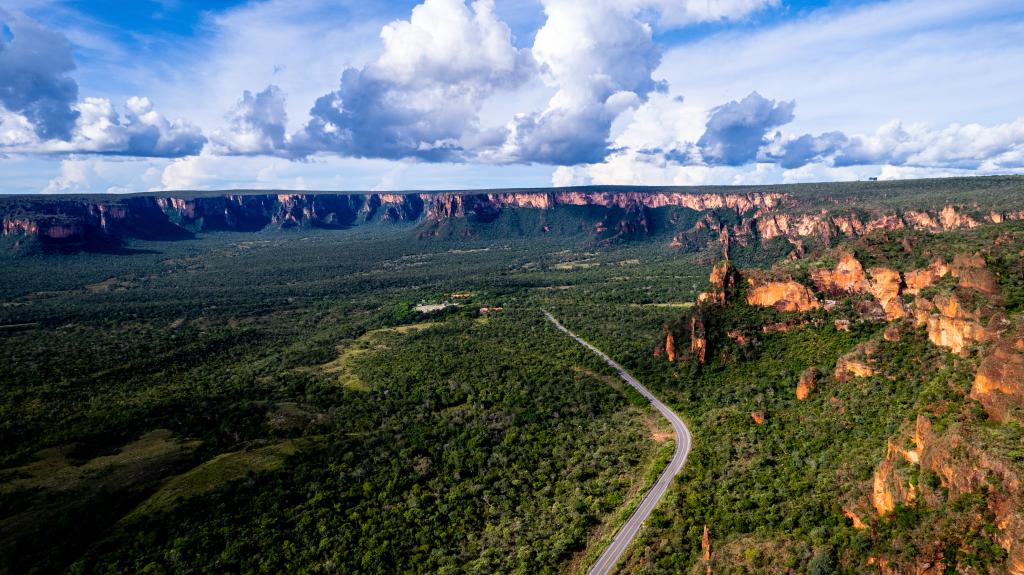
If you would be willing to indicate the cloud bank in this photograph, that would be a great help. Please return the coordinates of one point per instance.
(605, 104)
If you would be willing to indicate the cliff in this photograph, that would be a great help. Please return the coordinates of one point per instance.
(782, 295)
(95, 220)
(928, 467)
(999, 382)
(688, 218)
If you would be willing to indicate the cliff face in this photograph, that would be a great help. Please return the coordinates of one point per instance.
(86, 223)
(999, 383)
(958, 467)
(729, 218)
(783, 296)
(847, 277)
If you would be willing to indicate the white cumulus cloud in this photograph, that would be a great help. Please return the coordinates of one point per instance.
(421, 97)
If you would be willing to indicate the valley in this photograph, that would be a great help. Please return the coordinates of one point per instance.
(243, 383)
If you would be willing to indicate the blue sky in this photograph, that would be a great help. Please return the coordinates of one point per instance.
(136, 96)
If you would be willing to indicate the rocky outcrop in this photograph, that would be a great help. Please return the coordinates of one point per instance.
(723, 281)
(808, 379)
(670, 346)
(885, 286)
(698, 339)
(856, 363)
(999, 382)
(854, 518)
(885, 283)
(922, 278)
(824, 225)
(705, 550)
(973, 274)
(782, 295)
(960, 466)
(953, 327)
(951, 219)
(20, 226)
(890, 485)
(847, 277)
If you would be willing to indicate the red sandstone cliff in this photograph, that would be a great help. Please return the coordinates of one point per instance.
(758, 215)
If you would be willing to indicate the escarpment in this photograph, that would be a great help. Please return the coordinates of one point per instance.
(681, 218)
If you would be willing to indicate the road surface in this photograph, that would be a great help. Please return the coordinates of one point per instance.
(606, 562)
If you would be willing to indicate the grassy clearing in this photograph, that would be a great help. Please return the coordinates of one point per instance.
(214, 473)
(54, 470)
(113, 284)
(344, 366)
(669, 305)
(582, 265)
(54, 492)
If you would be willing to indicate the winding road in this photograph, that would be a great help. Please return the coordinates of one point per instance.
(606, 562)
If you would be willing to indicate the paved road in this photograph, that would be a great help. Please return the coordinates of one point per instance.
(606, 563)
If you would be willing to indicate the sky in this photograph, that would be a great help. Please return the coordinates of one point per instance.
(105, 96)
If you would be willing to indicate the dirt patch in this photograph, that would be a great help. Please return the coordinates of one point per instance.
(432, 307)
(609, 380)
(579, 265)
(660, 430)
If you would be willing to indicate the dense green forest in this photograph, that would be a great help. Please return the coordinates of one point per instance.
(277, 404)
(317, 401)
